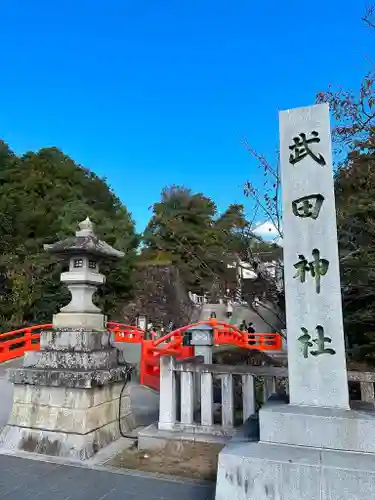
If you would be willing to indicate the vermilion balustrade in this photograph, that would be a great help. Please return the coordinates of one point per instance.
(14, 344)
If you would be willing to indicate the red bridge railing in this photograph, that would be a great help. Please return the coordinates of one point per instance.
(14, 344)
(172, 344)
(126, 333)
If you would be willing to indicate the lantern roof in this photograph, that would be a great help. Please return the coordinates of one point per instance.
(85, 242)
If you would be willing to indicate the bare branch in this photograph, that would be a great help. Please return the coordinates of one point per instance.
(368, 18)
(262, 304)
(256, 311)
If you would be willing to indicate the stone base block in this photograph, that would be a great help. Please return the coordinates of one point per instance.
(94, 360)
(327, 428)
(29, 411)
(151, 438)
(67, 422)
(89, 321)
(66, 397)
(74, 339)
(68, 378)
(261, 471)
(62, 444)
(71, 420)
(195, 429)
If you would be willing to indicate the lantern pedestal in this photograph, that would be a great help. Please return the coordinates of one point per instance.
(67, 396)
(90, 321)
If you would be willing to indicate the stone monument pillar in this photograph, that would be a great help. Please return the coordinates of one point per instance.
(316, 447)
(67, 395)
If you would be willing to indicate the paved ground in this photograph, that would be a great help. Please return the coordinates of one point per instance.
(6, 390)
(22, 479)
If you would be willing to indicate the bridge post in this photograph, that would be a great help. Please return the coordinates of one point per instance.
(202, 338)
(67, 395)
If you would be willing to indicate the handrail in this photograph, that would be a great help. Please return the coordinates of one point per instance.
(221, 330)
(26, 329)
(112, 325)
(14, 344)
(254, 386)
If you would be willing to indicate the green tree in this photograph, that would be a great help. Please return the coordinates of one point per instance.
(186, 229)
(43, 196)
(232, 231)
(181, 228)
(355, 195)
(354, 141)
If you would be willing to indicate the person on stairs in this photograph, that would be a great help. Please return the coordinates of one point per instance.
(229, 308)
(250, 331)
(250, 328)
(243, 326)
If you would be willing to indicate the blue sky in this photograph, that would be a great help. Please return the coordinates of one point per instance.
(151, 93)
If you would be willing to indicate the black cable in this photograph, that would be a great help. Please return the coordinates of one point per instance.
(127, 379)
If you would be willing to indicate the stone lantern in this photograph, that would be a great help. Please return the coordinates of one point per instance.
(84, 251)
(201, 337)
(68, 397)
